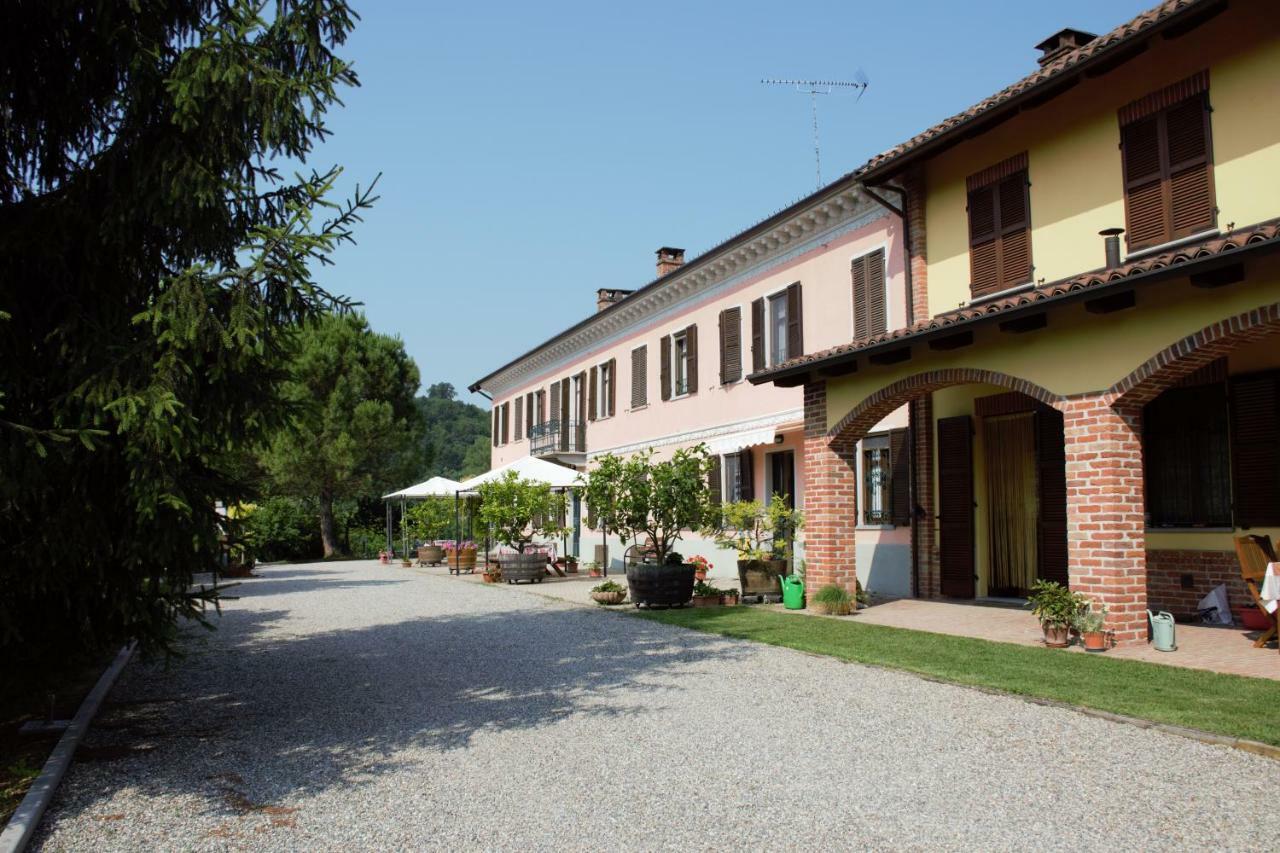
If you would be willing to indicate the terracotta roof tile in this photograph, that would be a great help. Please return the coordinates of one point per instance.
(1099, 279)
(1058, 67)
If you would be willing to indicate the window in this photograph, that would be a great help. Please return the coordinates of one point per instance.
(501, 424)
(679, 354)
(999, 227)
(519, 404)
(680, 364)
(886, 478)
(732, 467)
(777, 329)
(869, 315)
(1255, 448)
(540, 407)
(730, 345)
(575, 400)
(1168, 172)
(639, 377)
(1187, 458)
(603, 409)
(779, 335)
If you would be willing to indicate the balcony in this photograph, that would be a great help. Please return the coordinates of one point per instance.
(555, 438)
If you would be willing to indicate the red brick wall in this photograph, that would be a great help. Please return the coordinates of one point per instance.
(917, 236)
(922, 467)
(830, 498)
(1207, 569)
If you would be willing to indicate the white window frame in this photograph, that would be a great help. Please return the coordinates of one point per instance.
(676, 363)
(770, 344)
(602, 394)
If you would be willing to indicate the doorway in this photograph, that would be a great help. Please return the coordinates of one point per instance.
(782, 476)
(1013, 510)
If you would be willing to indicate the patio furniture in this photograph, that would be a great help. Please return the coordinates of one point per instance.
(1257, 561)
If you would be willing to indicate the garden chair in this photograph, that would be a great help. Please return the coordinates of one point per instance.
(1255, 552)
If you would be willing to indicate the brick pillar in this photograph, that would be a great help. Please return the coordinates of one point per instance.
(830, 498)
(1106, 537)
(923, 506)
(917, 257)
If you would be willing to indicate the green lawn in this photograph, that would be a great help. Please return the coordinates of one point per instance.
(1224, 704)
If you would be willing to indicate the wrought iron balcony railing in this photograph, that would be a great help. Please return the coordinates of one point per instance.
(551, 437)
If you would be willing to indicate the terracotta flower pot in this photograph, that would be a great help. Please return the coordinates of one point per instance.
(608, 597)
(1095, 641)
(729, 600)
(1056, 636)
(596, 573)
(491, 577)
(700, 574)
(706, 601)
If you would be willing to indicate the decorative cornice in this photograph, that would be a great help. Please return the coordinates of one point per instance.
(795, 416)
(802, 232)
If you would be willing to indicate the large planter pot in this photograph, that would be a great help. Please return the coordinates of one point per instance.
(761, 577)
(608, 598)
(706, 601)
(430, 555)
(463, 561)
(527, 568)
(1056, 636)
(654, 585)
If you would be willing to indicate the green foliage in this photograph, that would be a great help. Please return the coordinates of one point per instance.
(282, 528)
(659, 500)
(153, 264)
(455, 435)
(354, 425)
(832, 599)
(1053, 604)
(517, 510)
(609, 586)
(430, 519)
(1090, 620)
(702, 588)
(754, 530)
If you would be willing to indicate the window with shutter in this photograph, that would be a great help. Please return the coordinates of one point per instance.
(869, 312)
(495, 426)
(519, 419)
(714, 481)
(611, 393)
(955, 506)
(900, 481)
(795, 321)
(1255, 449)
(640, 377)
(758, 354)
(999, 208)
(746, 475)
(593, 393)
(1166, 153)
(528, 410)
(730, 345)
(1187, 457)
(506, 420)
(691, 359)
(664, 365)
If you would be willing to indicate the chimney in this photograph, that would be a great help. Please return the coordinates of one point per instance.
(669, 260)
(1060, 43)
(1111, 245)
(607, 296)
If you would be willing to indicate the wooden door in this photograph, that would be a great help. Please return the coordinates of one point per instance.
(955, 506)
(1051, 460)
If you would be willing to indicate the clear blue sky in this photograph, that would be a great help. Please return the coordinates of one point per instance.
(531, 153)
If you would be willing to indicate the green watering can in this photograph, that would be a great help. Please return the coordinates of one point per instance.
(792, 592)
(1162, 633)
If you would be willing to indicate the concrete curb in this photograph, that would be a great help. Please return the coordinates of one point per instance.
(22, 824)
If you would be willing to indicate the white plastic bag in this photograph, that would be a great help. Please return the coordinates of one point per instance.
(1213, 607)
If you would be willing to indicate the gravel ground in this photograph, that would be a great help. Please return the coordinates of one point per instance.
(354, 705)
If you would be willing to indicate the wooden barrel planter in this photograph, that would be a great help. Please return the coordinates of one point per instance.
(654, 585)
(530, 568)
(430, 555)
(463, 561)
(759, 578)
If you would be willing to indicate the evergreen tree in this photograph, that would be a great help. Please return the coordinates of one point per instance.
(153, 263)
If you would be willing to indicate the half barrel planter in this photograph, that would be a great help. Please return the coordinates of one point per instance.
(760, 578)
(654, 585)
(526, 568)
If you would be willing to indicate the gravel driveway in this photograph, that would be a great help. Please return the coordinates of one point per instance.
(352, 705)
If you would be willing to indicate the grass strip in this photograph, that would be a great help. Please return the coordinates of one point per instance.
(1230, 705)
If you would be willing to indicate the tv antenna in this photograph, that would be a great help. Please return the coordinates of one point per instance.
(814, 88)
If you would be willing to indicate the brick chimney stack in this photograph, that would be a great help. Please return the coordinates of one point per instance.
(607, 296)
(669, 260)
(1061, 43)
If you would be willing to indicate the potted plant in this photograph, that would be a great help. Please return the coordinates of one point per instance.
(729, 598)
(1057, 609)
(705, 595)
(762, 535)
(608, 593)
(491, 575)
(833, 600)
(460, 556)
(657, 501)
(1092, 625)
(517, 511)
(593, 569)
(701, 565)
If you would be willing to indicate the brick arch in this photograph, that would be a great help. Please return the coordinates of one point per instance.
(876, 406)
(1188, 355)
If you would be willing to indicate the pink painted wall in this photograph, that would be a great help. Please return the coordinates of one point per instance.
(824, 273)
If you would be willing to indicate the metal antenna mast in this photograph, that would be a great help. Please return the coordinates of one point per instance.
(814, 88)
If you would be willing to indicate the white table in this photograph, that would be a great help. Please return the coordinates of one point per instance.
(1270, 591)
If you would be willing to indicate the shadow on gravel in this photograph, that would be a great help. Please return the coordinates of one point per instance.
(311, 712)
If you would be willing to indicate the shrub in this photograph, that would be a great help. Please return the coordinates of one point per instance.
(754, 530)
(1053, 604)
(832, 599)
(518, 510)
(282, 528)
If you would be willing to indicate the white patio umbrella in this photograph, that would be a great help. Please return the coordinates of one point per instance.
(436, 487)
(527, 468)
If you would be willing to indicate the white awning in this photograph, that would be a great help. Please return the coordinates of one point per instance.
(528, 468)
(732, 443)
(436, 487)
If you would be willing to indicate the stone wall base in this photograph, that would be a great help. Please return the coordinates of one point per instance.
(1177, 580)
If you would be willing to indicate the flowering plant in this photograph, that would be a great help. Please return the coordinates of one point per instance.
(701, 563)
(452, 545)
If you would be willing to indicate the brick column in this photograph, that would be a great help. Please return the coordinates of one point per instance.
(1106, 537)
(830, 499)
(917, 259)
(923, 506)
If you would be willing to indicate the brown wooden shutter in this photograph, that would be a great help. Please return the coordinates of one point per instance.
(664, 362)
(877, 312)
(553, 412)
(519, 419)
(691, 351)
(746, 474)
(542, 406)
(640, 377)
(1168, 172)
(1190, 181)
(506, 422)
(613, 387)
(900, 477)
(795, 322)
(999, 228)
(1051, 460)
(1015, 230)
(730, 345)
(593, 394)
(528, 413)
(955, 506)
(566, 388)
(1255, 453)
(758, 358)
(714, 478)
(582, 394)
(861, 317)
(984, 267)
(495, 426)
(1143, 184)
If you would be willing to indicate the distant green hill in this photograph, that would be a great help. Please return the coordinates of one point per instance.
(456, 440)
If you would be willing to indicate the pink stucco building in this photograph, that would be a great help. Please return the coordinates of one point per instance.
(665, 365)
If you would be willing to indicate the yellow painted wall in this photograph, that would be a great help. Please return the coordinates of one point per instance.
(1073, 151)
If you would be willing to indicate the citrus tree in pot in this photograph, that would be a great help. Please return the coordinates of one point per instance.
(657, 501)
(517, 511)
(1057, 608)
(762, 535)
